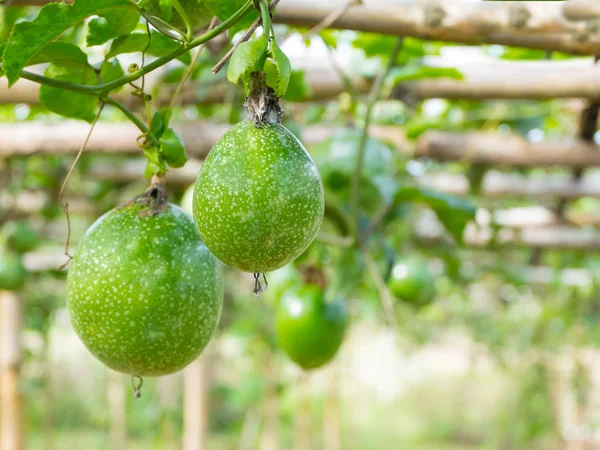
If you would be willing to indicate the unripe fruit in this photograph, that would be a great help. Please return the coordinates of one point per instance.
(412, 282)
(310, 330)
(144, 293)
(22, 237)
(12, 272)
(258, 200)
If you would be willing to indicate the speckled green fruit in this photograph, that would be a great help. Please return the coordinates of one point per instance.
(21, 236)
(198, 13)
(144, 293)
(412, 282)
(310, 330)
(12, 271)
(258, 200)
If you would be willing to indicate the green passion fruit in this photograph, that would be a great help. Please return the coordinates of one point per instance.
(143, 292)
(258, 199)
(12, 271)
(21, 236)
(309, 329)
(198, 13)
(412, 281)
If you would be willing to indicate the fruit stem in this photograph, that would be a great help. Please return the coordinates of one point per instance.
(262, 103)
(311, 274)
(154, 200)
(186, 20)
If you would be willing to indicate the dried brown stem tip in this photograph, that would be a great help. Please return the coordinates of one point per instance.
(154, 199)
(262, 103)
(313, 275)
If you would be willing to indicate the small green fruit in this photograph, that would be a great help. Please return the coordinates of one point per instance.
(258, 200)
(12, 271)
(412, 281)
(143, 292)
(309, 330)
(21, 237)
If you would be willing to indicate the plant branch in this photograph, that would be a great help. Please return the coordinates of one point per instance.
(186, 20)
(132, 117)
(190, 68)
(64, 204)
(387, 299)
(104, 88)
(247, 35)
(265, 14)
(373, 97)
(330, 19)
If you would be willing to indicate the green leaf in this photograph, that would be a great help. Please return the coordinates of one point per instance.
(68, 103)
(172, 149)
(419, 72)
(62, 54)
(112, 24)
(160, 45)
(453, 212)
(247, 58)
(298, 89)
(9, 18)
(166, 7)
(225, 9)
(28, 38)
(284, 69)
(111, 70)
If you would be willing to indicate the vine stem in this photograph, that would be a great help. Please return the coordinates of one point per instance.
(190, 69)
(131, 116)
(186, 20)
(65, 205)
(265, 15)
(372, 99)
(247, 35)
(101, 89)
(387, 299)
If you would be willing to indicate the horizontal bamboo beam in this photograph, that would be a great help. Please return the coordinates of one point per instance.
(66, 137)
(496, 184)
(509, 81)
(538, 25)
(488, 79)
(584, 10)
(533, 24)
(48, 261)
(506, 150)
(561, 237)
(323, 83)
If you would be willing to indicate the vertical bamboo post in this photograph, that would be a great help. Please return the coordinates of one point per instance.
(11, 402)
(302, 432)
(117, 410)
(195, 404)
(48, 394)
(269, 433)
(332, 439)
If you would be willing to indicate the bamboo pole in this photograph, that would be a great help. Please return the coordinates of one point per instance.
(117, 410)
(506, 150)
(533, 24)
(269, 434)
(488, 78)
(196, 379)
(302, 419)
(65, 137)
(332, 427)
(496, 184)
(11, 399)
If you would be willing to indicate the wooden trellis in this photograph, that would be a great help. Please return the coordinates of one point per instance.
(571, 27)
